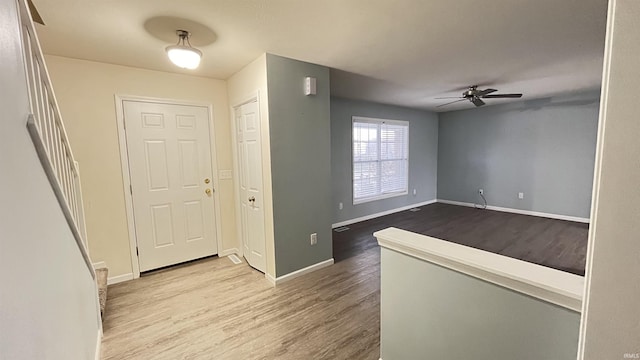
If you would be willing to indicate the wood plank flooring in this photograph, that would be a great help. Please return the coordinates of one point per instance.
(213, 309)
(554, 243)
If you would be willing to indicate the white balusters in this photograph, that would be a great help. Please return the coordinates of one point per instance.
(50, 138)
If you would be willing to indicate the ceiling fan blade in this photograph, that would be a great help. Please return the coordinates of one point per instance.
(477, 102)
(485, 92)
(451, 102)
(449, 97)
(497, 96)
(35, 15)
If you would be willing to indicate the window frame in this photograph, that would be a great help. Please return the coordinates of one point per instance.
(378, 121)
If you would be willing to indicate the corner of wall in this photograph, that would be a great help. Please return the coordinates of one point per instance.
(241, 86)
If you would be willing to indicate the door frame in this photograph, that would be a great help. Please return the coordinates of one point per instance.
(126, 175)
(236, 103)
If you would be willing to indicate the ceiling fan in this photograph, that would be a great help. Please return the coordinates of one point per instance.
(475, 96)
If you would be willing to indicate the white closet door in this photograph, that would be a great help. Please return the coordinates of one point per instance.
(250, 180)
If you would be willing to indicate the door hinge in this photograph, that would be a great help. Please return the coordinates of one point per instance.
(131, 189)
(137, 253)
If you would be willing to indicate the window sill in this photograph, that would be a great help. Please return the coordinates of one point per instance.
(379, 197)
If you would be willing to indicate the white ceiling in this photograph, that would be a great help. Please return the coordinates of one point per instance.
(403, 52)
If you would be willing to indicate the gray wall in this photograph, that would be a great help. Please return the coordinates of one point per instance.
(544, 148)
(449, 315)
(48, 302)
(423, 150)
(299, 128)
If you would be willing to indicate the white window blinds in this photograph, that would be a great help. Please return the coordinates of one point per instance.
(380, 158)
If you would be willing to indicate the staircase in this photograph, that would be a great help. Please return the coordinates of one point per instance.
(51, 142)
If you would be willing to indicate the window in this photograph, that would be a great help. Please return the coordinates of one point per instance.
(380, 159)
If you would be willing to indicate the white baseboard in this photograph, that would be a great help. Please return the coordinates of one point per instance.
(229, 252)
(383, 213)
(271, 279)
(298, 273)
(120, 278)
(518, 211)
(99, 265)
(98, 345)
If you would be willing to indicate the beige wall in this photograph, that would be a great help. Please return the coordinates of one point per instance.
(241, 87)
(85, 91)
(610, 317)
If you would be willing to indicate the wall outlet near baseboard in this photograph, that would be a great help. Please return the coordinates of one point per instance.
(314, 238)
(340, 206)
(520, 195)
(481, 191)
(414, 192)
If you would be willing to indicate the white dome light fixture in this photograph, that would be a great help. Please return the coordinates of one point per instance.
(183, 54)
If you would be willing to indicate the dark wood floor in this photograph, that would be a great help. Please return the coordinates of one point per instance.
(554, 243)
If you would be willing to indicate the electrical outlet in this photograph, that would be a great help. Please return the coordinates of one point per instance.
(314, 238)
(520, 195)
(481, 191)
(414, 192)
(340, 206)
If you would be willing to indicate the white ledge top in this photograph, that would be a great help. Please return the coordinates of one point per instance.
(551, 285)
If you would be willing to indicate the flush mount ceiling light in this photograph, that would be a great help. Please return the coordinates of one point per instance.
(183, 54)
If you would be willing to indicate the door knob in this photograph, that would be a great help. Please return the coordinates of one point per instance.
(252, 199)
(208, 192)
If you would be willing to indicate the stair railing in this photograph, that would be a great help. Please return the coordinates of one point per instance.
(49, 136)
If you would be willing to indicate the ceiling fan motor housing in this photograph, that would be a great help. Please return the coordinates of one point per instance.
(471, 92)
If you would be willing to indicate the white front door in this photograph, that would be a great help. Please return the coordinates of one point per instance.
(171, 182)
(250, 184)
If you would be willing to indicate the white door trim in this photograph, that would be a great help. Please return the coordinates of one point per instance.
(126, 176)
(236, 103)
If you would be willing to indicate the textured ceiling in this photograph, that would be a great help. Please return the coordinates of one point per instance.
(390, 51)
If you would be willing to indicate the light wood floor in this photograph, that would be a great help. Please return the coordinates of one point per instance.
(213, 309)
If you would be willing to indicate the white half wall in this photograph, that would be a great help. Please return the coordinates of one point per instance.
(441, 300)
(449, 315)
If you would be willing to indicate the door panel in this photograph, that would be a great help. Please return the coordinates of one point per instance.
(190, 169)
(161, 219)
(250, 180)
(169, 159)
(157, 168)
(254, 178)
(195, 222)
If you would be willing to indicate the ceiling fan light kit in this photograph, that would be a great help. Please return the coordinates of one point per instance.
(475, 96)
(183, 54)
